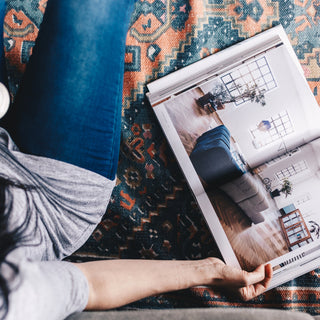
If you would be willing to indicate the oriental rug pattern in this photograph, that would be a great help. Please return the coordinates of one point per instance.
(152, 214)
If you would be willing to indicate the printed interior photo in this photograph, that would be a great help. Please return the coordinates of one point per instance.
(253, 143)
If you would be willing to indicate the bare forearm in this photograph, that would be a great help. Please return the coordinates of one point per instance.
(118, 282)
(113, 283)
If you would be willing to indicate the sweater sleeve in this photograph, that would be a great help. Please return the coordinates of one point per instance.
(67, 201)
(48, 290)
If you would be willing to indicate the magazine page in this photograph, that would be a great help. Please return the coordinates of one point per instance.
(259, 215)
(265, 91)
(292, 182)
(272, 108)
(246, 140)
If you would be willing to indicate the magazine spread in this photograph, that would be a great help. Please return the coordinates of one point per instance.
(244, 127)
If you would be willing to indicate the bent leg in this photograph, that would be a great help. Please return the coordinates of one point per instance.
(68, 106)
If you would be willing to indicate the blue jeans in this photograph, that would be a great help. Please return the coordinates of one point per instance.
(68, 106)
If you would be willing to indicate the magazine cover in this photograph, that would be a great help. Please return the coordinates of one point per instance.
(244, 126)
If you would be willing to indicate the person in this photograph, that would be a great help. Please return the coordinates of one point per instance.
(57, 177)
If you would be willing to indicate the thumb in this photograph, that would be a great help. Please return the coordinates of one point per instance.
(255, 276)
(241, 278)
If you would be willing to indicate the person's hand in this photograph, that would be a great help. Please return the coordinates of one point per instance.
(246, 284)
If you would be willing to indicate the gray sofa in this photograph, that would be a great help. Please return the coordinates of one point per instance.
(214, 161)
(249, 195)
(191, 314)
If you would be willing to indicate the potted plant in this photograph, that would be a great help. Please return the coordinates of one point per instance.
(219, 96)
(286, 189)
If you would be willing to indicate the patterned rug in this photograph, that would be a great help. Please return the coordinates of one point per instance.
(152, 214)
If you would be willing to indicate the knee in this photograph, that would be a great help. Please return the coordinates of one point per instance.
(107, 11)
(107, 7)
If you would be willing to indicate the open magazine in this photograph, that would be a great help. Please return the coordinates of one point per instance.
(244, 127)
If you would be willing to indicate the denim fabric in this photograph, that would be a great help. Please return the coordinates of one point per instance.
(68, 106)
(3, 73)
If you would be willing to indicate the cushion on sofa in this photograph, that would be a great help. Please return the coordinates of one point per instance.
(212, 158)
(221, 132)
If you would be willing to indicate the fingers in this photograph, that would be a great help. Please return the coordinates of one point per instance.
(255, 276)
(248, 284)
(239, 278)
(268, 276)
(261, 276)
(255, 289)
(264, 284)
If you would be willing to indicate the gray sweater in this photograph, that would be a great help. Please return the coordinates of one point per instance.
(66, 205)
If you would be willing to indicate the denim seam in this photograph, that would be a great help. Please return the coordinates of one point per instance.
(119, 105)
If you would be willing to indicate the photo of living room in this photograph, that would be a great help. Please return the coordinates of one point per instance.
(255, 230)
(246, 132)
(293, 180)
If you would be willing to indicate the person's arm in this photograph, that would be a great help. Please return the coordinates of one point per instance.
(114, 283)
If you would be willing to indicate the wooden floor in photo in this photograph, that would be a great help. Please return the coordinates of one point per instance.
(252, 244)
(189, 119)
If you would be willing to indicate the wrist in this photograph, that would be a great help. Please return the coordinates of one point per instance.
(198, 272)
